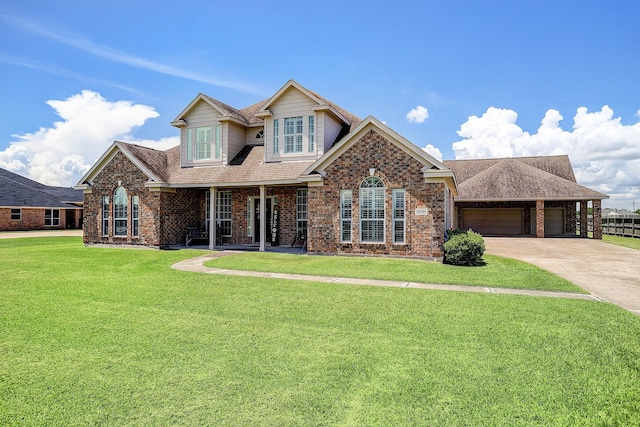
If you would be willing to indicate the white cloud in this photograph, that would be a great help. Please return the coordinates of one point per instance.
(62, 153)
(418, 114)
(605, 153)
(433, 151)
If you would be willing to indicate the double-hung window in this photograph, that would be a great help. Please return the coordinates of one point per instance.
(52, 217)
(203, 142)
(293, 134)
(346, 198)
(399, 211)
(16, 214)
(223, 212)
(372, 210)
(120, 203)
(302, 209)
(135, 216)
(105, 216)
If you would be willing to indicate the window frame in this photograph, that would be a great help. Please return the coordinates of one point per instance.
(13, 214)
(120, 212)
(372, 211)
(346, 216)
(293, 134)
(52, 217)
(135, 216)
(105, 216)
(399, 215)
(224, 217)
(302, 210)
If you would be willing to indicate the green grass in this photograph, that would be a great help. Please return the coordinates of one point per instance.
(498, 272)
(627, 242)
(103, 336)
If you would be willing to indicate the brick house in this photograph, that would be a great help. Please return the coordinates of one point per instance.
(28, 205)
(295, 168)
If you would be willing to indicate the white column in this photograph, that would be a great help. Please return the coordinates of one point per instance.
(212, 218)
(263, 222)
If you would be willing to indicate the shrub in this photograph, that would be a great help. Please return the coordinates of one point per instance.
(464, 248)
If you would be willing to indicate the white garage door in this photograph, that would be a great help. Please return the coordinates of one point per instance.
(496, 222)
(553, 221)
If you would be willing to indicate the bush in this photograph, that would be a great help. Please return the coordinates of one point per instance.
(464, 248)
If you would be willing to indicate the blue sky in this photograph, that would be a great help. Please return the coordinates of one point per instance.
(483, 78)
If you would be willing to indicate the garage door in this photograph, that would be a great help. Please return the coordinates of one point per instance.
(553, 221)
(500, 222)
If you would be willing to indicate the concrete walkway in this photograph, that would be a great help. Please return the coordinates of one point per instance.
(607, 271)
(196, 265)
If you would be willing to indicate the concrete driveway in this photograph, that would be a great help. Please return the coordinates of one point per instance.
(611, 273)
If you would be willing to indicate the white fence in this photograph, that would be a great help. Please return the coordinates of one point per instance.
(620, 225)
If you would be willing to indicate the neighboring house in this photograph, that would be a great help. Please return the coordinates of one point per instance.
(522, 196)
(28, 205)
(293, 168)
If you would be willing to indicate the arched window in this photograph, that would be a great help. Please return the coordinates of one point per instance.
(372, 210)
(120, 211)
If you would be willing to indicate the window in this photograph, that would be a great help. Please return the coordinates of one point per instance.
(293, 135)
(276, 135)
(105, 216)
(311, 134)
(135, 216)
(120, 212)
(223, 212)
(302, 207)
(16, 214)
(372, 210)
(52, 217)
(346, 198)
(399, 210)
(203, 143)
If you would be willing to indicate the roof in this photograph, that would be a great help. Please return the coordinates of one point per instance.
(247, 168)
(18, 191)
(523, 178)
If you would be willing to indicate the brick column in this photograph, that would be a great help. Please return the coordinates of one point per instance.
(597, 219)
(584, 218)
(540, 218)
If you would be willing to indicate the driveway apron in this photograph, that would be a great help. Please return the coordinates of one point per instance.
(612, 273)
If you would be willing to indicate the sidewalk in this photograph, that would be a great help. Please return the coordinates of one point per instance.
(39, 233)
(196, 265)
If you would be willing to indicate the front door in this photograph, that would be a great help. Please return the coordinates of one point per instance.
(256, 218)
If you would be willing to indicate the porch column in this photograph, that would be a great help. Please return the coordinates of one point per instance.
(597, 219)
(540, 218)
(212, 218)
(584, 217)
(263, 222)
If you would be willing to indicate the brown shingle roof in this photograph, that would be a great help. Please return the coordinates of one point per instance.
(526, 178)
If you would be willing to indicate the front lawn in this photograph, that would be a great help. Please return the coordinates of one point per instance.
(627, 242)
(104, 336)
(498, 272)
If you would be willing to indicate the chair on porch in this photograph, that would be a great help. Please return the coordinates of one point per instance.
(196, 233)
(301, 236)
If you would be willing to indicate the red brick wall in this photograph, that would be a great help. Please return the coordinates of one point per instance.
(33, 219)
(397, 169)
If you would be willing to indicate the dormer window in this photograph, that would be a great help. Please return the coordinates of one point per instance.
(293, 134)
(200, 141)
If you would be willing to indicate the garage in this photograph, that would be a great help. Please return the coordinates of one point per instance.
(493, 221)
(553, 221)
